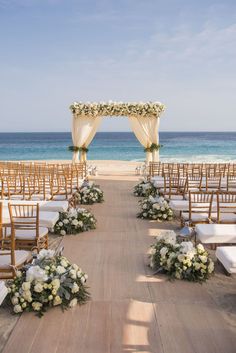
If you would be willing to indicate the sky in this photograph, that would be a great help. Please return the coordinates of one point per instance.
(179, 52)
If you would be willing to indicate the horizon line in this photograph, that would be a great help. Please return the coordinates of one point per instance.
(56, 132)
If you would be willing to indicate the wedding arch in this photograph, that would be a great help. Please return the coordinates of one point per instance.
(144, 119)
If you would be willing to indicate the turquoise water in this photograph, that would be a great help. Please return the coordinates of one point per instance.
(177, 146)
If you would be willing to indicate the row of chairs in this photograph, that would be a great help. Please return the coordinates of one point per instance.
(18, 239)
(173, 186)
(194, 169)
(42, 181)
(210, 207)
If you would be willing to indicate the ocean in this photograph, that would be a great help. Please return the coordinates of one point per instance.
(177, 146)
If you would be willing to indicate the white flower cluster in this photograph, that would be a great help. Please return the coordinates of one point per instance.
(145, 188)
(117, 109)
(88, 194)
(50, 281)
(156, 208)
(181, 260)
(74, 221)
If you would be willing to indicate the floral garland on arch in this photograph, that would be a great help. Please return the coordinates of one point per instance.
(74, 221)
(145, 188)
(155, 208)
(51, 280)
(117, 109)
(181, 260)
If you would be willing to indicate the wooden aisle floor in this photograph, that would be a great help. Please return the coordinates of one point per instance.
(130, 311)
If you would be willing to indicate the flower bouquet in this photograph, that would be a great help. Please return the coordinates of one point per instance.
(181, 260)
(51, 280)
(74, 221)
(155, 208)
(87, 194)
(144, 189)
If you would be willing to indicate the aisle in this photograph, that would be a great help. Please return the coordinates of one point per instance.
(130, 311)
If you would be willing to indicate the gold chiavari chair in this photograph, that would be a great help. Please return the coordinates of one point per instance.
(231, 182)
(226, 208)
(175, 187)
(25, 227)
(10, 259)
(200, 206)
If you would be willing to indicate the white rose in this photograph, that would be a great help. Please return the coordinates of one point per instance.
(38, 288)
(63, 232)
(181, 258)
(73, 303)
(57, 300)
(37, 306)
(17, 309)
(75, 222)
(203, 258)
(145, 206)
(56, 283)
(75, 288)
(73, 274)
(60, 270)
(200, 248)
(60, 224)
(75, 267)
(80, 223)
(26, 286)
(163, 251)
(64, 263)
(197, 266)
(65, 221)
(27, 296)
(14, 300)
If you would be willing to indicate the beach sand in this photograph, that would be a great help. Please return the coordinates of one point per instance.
(182, 316)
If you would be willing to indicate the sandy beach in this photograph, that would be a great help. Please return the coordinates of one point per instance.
(130, 309)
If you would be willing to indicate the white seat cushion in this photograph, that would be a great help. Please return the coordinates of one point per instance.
(21, 256)
(173, 197)
(46, 219)
(179, 205)
(3, 291)
(225, 218)
(51, 206)
(227, 256)
(30, 234)
(216, 233)
(196, 217)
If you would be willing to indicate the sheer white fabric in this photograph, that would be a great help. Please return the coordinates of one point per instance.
(84, 129)
(146, 131)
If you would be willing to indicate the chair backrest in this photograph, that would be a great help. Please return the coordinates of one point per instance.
(213, 182)
(200, 202)
(194, 182)
(10, 252)
(25, 217)
(231, 182)
(226, 203)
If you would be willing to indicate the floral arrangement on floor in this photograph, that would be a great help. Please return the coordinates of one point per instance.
(181, 260)
(156, 208)
(87, 194)
(74, 221)
(51, 280)
(117, 109)
(145, 188)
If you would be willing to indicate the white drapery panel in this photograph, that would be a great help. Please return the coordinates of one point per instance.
(146, 131)
(84, 129)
